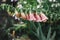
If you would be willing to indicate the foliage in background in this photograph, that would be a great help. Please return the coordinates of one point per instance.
(50, 7)
(40, 35)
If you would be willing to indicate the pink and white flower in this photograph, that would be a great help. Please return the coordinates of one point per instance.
(43, 17)
(38, 19)
(30, 17)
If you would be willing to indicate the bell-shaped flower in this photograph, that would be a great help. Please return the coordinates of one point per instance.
(23, 15)
(27, 17)
(43, 17)
(31, 17)
(38, 19)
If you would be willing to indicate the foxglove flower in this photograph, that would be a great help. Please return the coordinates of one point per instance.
(43, 17)
(23, 15)
(18, 15)
(38, 19)
(31, 17)
(27, 16)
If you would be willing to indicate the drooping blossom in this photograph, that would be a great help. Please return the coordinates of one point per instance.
(31, 17)
(20, 15)
(27, 17)
(16, 15)
(23, 15)
(43, 17)
(38, 19)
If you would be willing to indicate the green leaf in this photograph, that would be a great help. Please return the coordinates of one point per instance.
(18, 26)
(49, 34)
(53, 36)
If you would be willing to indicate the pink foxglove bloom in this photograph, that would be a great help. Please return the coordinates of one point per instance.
(43, 17)
(31, 17)
(38, 19)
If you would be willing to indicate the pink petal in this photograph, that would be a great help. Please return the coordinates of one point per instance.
(44, 20)
(31, 17)
(38, 19)
(43, 16)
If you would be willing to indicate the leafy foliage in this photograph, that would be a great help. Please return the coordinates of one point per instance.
(50, 8)
(40, 35)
